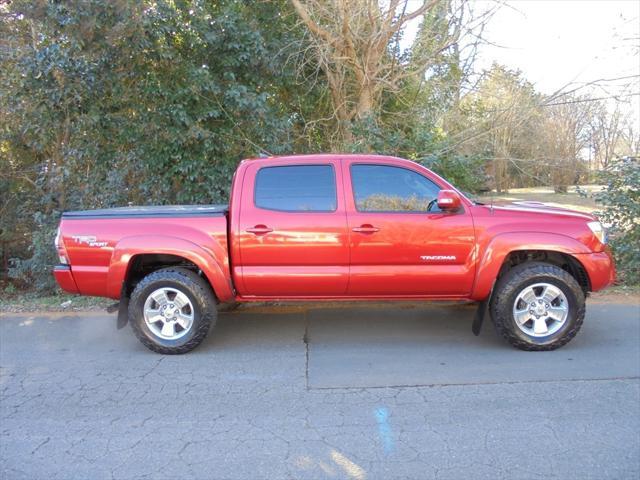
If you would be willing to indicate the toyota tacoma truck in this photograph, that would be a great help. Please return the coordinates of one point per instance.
(336, 227)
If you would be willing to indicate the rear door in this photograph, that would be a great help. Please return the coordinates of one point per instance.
(293, 229)
(401, 243)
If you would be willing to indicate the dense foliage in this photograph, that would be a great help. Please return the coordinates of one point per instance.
(106, 103)
(621, 198)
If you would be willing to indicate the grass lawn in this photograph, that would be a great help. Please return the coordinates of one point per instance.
(62, 302)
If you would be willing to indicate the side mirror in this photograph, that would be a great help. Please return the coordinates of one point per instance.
(448, 200)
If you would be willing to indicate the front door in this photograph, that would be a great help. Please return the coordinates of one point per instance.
(293, 230)
(401, 243)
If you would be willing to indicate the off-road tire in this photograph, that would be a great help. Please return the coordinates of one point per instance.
(518, 278)
(200, 295)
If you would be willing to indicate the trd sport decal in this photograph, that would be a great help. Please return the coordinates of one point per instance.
(90, 240)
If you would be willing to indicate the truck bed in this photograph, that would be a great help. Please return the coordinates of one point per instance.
(101, 244)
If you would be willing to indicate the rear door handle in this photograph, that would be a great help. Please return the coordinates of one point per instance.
(366, 229)
(260, 229)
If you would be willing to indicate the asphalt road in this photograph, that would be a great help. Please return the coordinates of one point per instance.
(353, 393)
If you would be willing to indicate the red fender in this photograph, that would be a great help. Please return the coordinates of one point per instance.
(503, 244)
(212, 260)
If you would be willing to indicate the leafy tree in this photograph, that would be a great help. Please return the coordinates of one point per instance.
(356, 49)
(497, 121)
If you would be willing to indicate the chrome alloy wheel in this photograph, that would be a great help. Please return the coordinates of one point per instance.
(168, 313)
(540, 309)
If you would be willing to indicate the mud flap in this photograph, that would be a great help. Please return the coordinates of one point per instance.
(123, 312)
(479, 317)
(122, 307)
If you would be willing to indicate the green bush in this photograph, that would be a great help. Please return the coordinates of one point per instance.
(35, 271)
(621, 198)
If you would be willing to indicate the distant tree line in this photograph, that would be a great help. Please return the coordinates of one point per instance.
(155, 102)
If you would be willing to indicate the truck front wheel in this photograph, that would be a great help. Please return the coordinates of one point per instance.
(537, 306)
(171, 310)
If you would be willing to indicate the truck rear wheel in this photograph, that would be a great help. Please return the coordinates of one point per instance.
(171, 310)
(537, 306)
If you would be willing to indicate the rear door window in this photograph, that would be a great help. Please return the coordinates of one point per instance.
(296, 188)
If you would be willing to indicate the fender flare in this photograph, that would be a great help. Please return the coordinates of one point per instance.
(211, 261)
(500, 246)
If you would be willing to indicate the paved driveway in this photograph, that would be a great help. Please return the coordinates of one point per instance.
(353, 393)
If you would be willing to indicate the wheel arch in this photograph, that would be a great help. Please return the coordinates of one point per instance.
(508, 250)
(135, 257)
(565, 261)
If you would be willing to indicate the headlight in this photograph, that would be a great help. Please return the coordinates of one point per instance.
(599, 231)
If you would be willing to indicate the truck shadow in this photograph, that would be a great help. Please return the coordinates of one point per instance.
(360, 347)
(350, 325)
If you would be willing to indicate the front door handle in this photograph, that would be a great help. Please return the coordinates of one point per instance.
(260, 229)
(366, 228)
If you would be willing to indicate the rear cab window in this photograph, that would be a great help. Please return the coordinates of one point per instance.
(296, 188)
(387, 188)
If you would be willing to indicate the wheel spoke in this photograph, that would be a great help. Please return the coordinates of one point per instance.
(160, 296)
(557, 313)
(540, 326)
(528, 296)
(181, 300)
(522, 316)
(184, 320)
(168, 329)
(550, 293)
(153, 317)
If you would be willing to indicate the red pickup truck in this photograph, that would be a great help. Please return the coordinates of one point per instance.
(336, 227)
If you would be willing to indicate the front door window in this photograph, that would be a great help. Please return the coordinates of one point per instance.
(384, 188)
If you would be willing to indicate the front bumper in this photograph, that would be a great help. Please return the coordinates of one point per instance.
(64, 277)
(600, 268)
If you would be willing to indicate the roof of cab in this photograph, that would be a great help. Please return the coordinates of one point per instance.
(308, 156)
